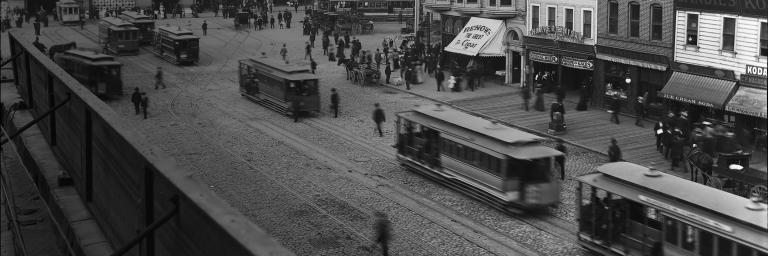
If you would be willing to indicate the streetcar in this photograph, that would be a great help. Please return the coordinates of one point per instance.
(100, 73)
(118, 37)
(628, 209)
(279, 86)
(68, 12)
(492, 162)
(144, 23)
(176, 45)
(379, 10)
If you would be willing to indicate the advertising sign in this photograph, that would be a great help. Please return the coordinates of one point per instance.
(577, 63)
(757, 71)
(543, 57)
(475, 34)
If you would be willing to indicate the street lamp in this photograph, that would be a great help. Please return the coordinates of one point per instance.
(628, 79)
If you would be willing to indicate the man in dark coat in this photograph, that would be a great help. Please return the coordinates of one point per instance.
(37, 27)
(378, 118)
(144, 103)
(388, 72)
(561, 159)
(407, 78)
(335, 102)
(325, 43)
(439, 77)
(136, 99)
(614, 152)
(205, 28)
(556, 107)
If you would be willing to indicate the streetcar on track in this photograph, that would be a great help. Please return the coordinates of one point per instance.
(100, 73)
(68, 12)
(144, 23)
(628, 209)
(176, 45)
(279, 86)
(118, 37)
(495, 163)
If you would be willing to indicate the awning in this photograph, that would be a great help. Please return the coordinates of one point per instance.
(495, 47)
(627, 61)
(749, 101)
(699, 90)
(473, 38)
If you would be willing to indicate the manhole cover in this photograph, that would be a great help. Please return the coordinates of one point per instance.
(324, 242)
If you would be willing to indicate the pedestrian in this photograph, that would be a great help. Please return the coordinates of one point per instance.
(284, 53)
(561, 159)
(136, 99)
(614, 152)
(400, 17)
(383, 231)
(312, 39)
(159, 78)
(331, 53)
(296, 109)
(388, 72)
(406, 76)
(312, 65)
(676, 150)
(307, 51)
(615, 108)
(526, 92)
(205, 28)
(280, 18)
(282, 23)
(657, 131)
(556, 107)
(639, 111)
(325, 43)
(378, 59)
(335, 102)
(144, 103)
(272, 21)
(346, 40)
(439, 77)
(666, 141)
(378, 118)
(36, 24)
(538, 104)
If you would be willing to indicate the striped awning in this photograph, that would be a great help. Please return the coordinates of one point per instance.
(699, 90)
(632, 62)
(749, 101)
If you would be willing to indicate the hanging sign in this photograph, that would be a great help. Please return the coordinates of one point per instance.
(558, 33)
(577, 63)
(475, 34)
(543, 57)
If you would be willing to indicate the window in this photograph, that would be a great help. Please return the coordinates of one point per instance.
(656, 21)
(763, 39)
(729, 33)
(670, 229)
(586, 29)
(689, 237)
(569, 19)
(724, 246)
(692, 30)
(551, 12)
(634, 20)
(506, 2)
(492, 2)
(613, 17)
(535, 17)
(706, 243)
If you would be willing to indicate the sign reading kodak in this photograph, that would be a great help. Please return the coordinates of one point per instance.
(755, 8)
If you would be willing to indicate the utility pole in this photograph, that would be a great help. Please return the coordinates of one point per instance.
(416, 14)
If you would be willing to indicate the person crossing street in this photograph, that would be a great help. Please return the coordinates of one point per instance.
(136, 100)
(378, 118)
(335, 102)
(159, 78)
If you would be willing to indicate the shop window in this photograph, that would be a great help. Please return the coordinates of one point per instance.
(706, 240)
(692, 30)
(656, 22)
(670, 230)
(506, 2)
(634, 20)
(586, 29)
(763, 39)
(729, 33)
(534, 16)
(569, 19)
(724, 246)
(613, 17)
(551, 16)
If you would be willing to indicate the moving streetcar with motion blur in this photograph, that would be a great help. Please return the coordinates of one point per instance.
(492, 162)
(279, 86)
(628, 209)
(176, 45)
(100, 73)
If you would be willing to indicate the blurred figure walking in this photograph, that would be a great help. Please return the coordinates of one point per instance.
(378, 118)
(383, 229)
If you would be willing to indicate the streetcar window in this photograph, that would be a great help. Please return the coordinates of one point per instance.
(670, 232)
(689, 237)
(724, 246)
(706, 240)
(494, 165)
(743, 250)
(512, 169)
(482, 160)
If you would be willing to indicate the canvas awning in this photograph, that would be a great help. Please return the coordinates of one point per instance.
(633, 62)
(749, 101)
(699, 90)
(476, 34)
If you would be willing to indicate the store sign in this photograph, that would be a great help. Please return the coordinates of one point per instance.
(577, 63)
(543, 57)
(758, 71)
(754, 80)
(558, 33)
(475, 34)
(671, 208)
(719, 6)
(686, 100)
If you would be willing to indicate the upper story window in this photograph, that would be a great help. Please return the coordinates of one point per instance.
(534, 16)
(656, 22)
(506, 2)
(551, 14)
(613, 17)
(586, 29)
(569, 19)
(492, 2)
(692, 30)
(729, 33)
(763, 39)
(634, 19)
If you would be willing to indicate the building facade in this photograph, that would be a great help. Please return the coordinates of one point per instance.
(560, 43)
(505, 53)
(726, 44)
(636, 44)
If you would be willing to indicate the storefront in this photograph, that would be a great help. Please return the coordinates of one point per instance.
(479, 45)
(702, 97)
(558, 56)
(749, 106)
(646, 74)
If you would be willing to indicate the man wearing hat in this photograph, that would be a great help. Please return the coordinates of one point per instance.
(639, 111)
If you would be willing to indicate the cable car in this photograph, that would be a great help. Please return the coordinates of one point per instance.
(242, 19)
(495, 163)
(176, 45)
(279, 86)
(68, 12)
(628, 209)
(144, 23)
(100, 73)
(118, 37)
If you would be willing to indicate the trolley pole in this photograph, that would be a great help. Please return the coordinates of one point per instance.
(416, 14)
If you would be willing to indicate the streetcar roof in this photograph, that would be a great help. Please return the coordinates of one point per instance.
(93, 57)
(516, 150)
(699, 199)
(176, 33)
(67, 3)
(287, 71)
(135, 16)
(115, 22)
(478, 124)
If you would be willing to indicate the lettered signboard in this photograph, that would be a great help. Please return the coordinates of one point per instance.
(474, 36)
